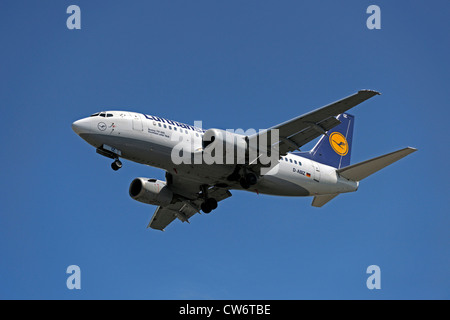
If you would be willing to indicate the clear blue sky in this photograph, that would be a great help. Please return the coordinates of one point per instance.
(231, 64)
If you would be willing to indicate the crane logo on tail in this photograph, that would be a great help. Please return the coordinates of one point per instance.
(339, 143)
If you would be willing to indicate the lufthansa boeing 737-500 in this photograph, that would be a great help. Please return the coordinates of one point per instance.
(202, 166)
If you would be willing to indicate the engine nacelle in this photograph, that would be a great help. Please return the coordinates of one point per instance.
(220, 145)
(151, 191)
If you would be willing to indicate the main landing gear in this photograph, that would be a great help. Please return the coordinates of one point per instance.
(246, 180)
(116, 165)
(209, 204)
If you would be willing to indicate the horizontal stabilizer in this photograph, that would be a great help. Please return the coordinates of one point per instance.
(319, 201)
(359, 171)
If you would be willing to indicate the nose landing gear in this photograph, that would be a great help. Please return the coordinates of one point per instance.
(112, 153)
(116, 165)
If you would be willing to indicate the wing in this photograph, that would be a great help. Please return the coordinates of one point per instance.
(183, 209)
(298, 131)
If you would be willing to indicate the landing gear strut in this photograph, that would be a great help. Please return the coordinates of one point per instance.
(235, 176)
(116, 165)
(246, 180)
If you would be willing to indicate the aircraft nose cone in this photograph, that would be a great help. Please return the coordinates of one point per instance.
(80, 126)
(76, 126)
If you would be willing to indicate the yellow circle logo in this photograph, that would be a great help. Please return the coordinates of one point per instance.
(339, 143)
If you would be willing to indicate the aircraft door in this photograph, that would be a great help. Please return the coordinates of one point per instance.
(316, 171)
(137, 122)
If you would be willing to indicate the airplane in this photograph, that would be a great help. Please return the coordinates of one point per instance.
(193, 185)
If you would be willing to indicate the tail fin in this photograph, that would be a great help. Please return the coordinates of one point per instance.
(335, 148)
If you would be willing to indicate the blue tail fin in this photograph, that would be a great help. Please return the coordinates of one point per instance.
(335, 148)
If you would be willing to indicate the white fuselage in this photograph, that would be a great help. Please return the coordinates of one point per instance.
(150, 140)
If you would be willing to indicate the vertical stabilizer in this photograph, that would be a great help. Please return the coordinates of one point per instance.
(335, 148)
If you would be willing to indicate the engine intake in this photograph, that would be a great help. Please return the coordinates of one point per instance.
(151, 191)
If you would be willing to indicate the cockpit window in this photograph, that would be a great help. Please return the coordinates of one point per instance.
(102, 114)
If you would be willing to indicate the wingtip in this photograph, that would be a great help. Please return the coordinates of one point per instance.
(149, 226)
(371, 91)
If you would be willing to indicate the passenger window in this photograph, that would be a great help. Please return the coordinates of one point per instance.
(196, 134)
(286, 159)
(295, 161)
(290, 160)
(175, 128)
(299, 163)
(159, 124)
(185, 131)
(165, 127)
(170, 127)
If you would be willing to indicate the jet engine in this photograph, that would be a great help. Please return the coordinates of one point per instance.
(223, 147)
(151, 191)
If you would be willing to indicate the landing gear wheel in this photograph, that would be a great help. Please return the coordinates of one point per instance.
(116, 165)
(212, 203)
(209, 205)
(205, 207)
(251, 178)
